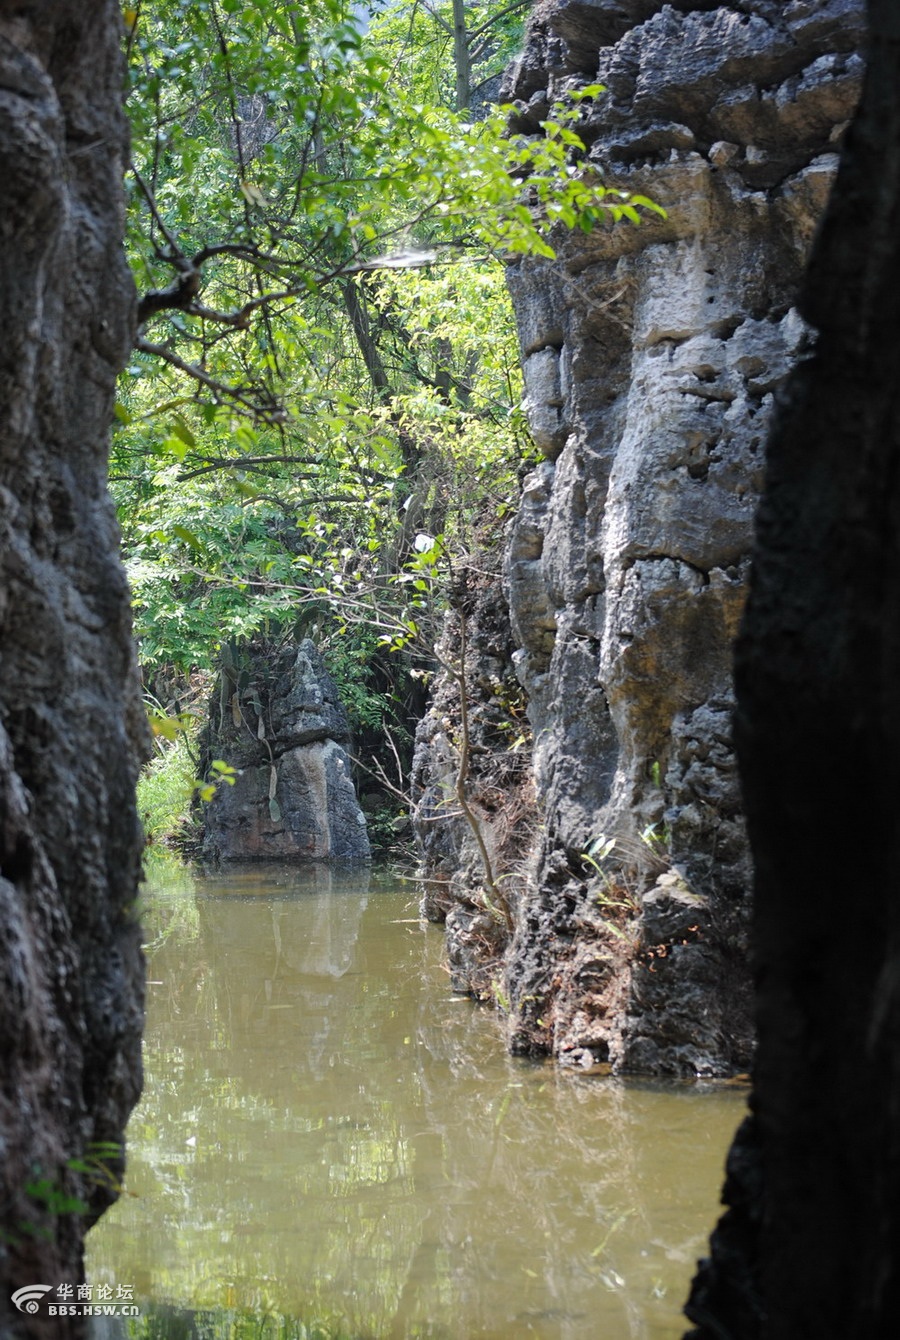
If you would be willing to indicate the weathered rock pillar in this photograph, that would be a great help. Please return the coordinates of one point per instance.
(652, 355)
(278, 720)
(651, 358)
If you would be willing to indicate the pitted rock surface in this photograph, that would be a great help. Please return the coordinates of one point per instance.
(284, 730)
(72, 728)
(652, 356)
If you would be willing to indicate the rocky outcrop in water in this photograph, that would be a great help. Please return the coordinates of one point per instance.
(279, 722)
(652, 355)
(72, 729)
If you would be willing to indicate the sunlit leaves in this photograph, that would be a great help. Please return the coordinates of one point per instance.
(220, 774)
(323, 405)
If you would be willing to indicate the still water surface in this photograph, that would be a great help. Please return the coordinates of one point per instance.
(331, 1144)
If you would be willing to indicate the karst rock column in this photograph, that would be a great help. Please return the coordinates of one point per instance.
(652, 356)
(72, 731)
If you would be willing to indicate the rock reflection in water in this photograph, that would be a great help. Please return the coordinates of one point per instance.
(329, 1135)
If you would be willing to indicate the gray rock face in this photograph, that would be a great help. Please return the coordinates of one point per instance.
(72, 730)
(285, 732)
(652, 355)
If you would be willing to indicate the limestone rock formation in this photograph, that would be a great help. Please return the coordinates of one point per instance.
(72, 729)
(281, 726)
(652, 356)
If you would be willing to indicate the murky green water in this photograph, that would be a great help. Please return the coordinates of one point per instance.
(332, 1144)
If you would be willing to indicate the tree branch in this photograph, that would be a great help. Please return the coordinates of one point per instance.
(246, 463)
(495, 18)
(260, 462)
(177, 297)
(158, 219)
(245, 250)
(359, 320)
(272, 413)
(438, 18)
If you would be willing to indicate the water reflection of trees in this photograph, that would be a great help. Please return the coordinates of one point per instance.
(329, 1133)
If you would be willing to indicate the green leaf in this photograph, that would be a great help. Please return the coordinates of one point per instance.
(180, 429)
(174, 446)
(190, 539)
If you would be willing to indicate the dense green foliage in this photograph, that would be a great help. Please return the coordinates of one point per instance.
(323, 407)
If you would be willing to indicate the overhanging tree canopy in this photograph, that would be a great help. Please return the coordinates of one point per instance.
(326, 364)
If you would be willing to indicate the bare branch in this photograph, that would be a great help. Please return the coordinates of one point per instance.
(178, 296)
(235, 395)
(259, 463)
(150, 198)
(246, 463)
(438, 18)
(378, 772)
(489, 23)
(245, 250)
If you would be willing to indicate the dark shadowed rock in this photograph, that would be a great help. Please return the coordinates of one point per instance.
(808, 1244)
(281, 725)
(498, 782)
(72, 730)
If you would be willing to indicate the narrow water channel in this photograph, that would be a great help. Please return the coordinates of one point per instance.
(332, 1146)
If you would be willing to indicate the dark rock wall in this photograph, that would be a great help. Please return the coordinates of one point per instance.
(809, 1244)
(72, 731)
(651, 358)
(279, 722)
(477, 642)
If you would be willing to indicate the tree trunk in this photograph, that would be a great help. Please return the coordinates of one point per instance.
(808, 1246)
(71, 727)
(462, 57)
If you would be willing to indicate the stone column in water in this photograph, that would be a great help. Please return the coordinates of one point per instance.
(278, 720)
(652, 356)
